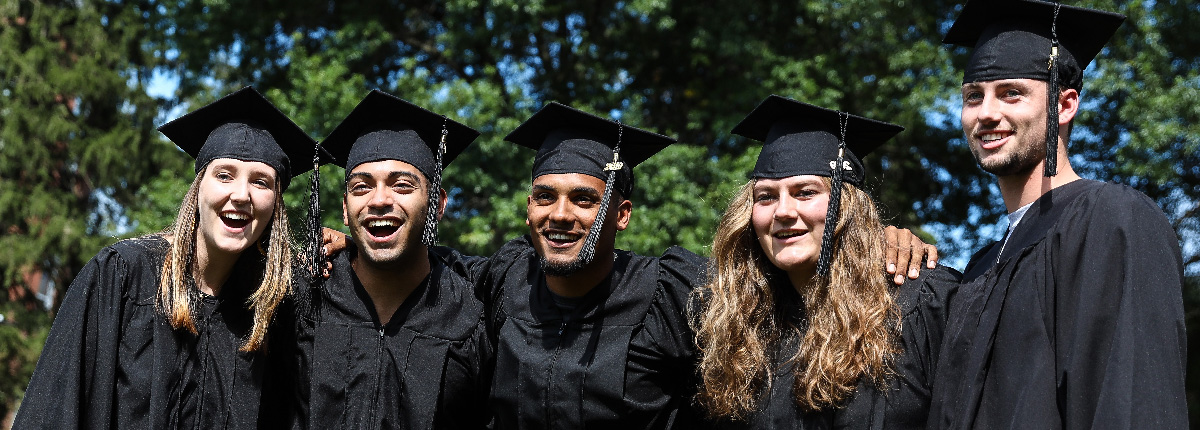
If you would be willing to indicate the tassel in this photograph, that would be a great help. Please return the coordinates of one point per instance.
(589, 244)
(833, 213)
(1052, 101)
(429, 236)
(311, 251)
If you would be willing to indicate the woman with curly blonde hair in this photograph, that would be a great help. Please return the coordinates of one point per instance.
(798, 327)
(170, 330)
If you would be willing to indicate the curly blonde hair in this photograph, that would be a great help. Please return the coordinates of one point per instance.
(175, 293)
(852, 319)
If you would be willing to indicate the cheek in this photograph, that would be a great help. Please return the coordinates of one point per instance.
(264, 204)
(761, 218)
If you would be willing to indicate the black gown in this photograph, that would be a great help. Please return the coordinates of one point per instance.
(624, 358)
(113, 361)
(422, 370)
(903, 403)
(1078, 326)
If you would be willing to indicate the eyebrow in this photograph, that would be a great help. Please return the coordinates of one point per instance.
(392, 174)
(579, 189)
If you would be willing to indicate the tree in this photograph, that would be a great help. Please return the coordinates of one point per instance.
(77, 141)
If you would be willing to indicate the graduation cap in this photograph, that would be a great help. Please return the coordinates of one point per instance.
(243, 126)
(385, 127)
(569, 140)
(1032, 39)
(803, 139)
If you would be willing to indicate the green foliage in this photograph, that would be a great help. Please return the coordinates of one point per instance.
(76, 142)
(74, 105)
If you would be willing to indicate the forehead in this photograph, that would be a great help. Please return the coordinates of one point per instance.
(384, 168)
(568, 181)
(249, 166)
(1005, 83)
(798, 180)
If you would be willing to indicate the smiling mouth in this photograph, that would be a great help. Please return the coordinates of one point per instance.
(788, 234)
(561, 239)
(235, 220)
(381, 228)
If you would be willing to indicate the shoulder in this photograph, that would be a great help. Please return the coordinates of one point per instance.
(679, 264)
(150, 249)
(933, 289)
(1107, 209)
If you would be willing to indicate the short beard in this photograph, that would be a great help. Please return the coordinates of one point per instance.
(562, 269)
(1019, 162)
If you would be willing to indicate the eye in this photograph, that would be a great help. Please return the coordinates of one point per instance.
(1011, 93)
(404, 187)
(806, 193)
(359, 188)
(764, 197)
(223, 175)
(543, 198)
(972, 96)
(584, 200)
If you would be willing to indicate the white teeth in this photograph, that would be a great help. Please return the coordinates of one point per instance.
(236, 216)
(561, 236)
(988, 137)
(383, 223)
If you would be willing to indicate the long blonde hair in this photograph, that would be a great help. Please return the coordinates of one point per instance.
(175, 295)
(852, 319)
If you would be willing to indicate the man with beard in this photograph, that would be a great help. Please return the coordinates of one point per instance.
(392, 339)
(1075, 318)
(588, 336)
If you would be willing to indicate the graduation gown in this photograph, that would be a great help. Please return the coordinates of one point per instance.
(113, 361)
(903, 402)
(422, 370)
(1077, 324)
(624, 358)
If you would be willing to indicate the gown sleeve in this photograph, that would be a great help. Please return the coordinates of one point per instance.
(924, 304)
(1121, 346)
(73, 385)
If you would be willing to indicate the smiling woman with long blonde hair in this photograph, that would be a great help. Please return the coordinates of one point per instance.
(798, 326)
(170, 330)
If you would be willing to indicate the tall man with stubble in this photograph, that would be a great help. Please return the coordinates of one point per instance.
(1074, 320)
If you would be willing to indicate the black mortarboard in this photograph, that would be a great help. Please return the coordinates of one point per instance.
(1032, 39)
(385, 127)
(569, 140)
(802, 139)
(244, 126)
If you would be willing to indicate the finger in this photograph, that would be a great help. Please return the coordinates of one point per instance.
(931, 256)
(917, 255)
(904, 254)
(889, 235)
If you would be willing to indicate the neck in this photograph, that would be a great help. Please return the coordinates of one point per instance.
(213, 267)
(1022, 189)
(580, 283)
(389, 285)
(801, 278)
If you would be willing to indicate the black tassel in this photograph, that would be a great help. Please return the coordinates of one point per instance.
(833, 213)
(313, 257)
(831, 219)
(1052, 102)
(589, 244)
(429, 236)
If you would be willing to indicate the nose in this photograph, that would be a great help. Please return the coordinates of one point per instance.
(787, 208)
(240, 192)
(381, 197)
(989, 111)
(560, 213)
